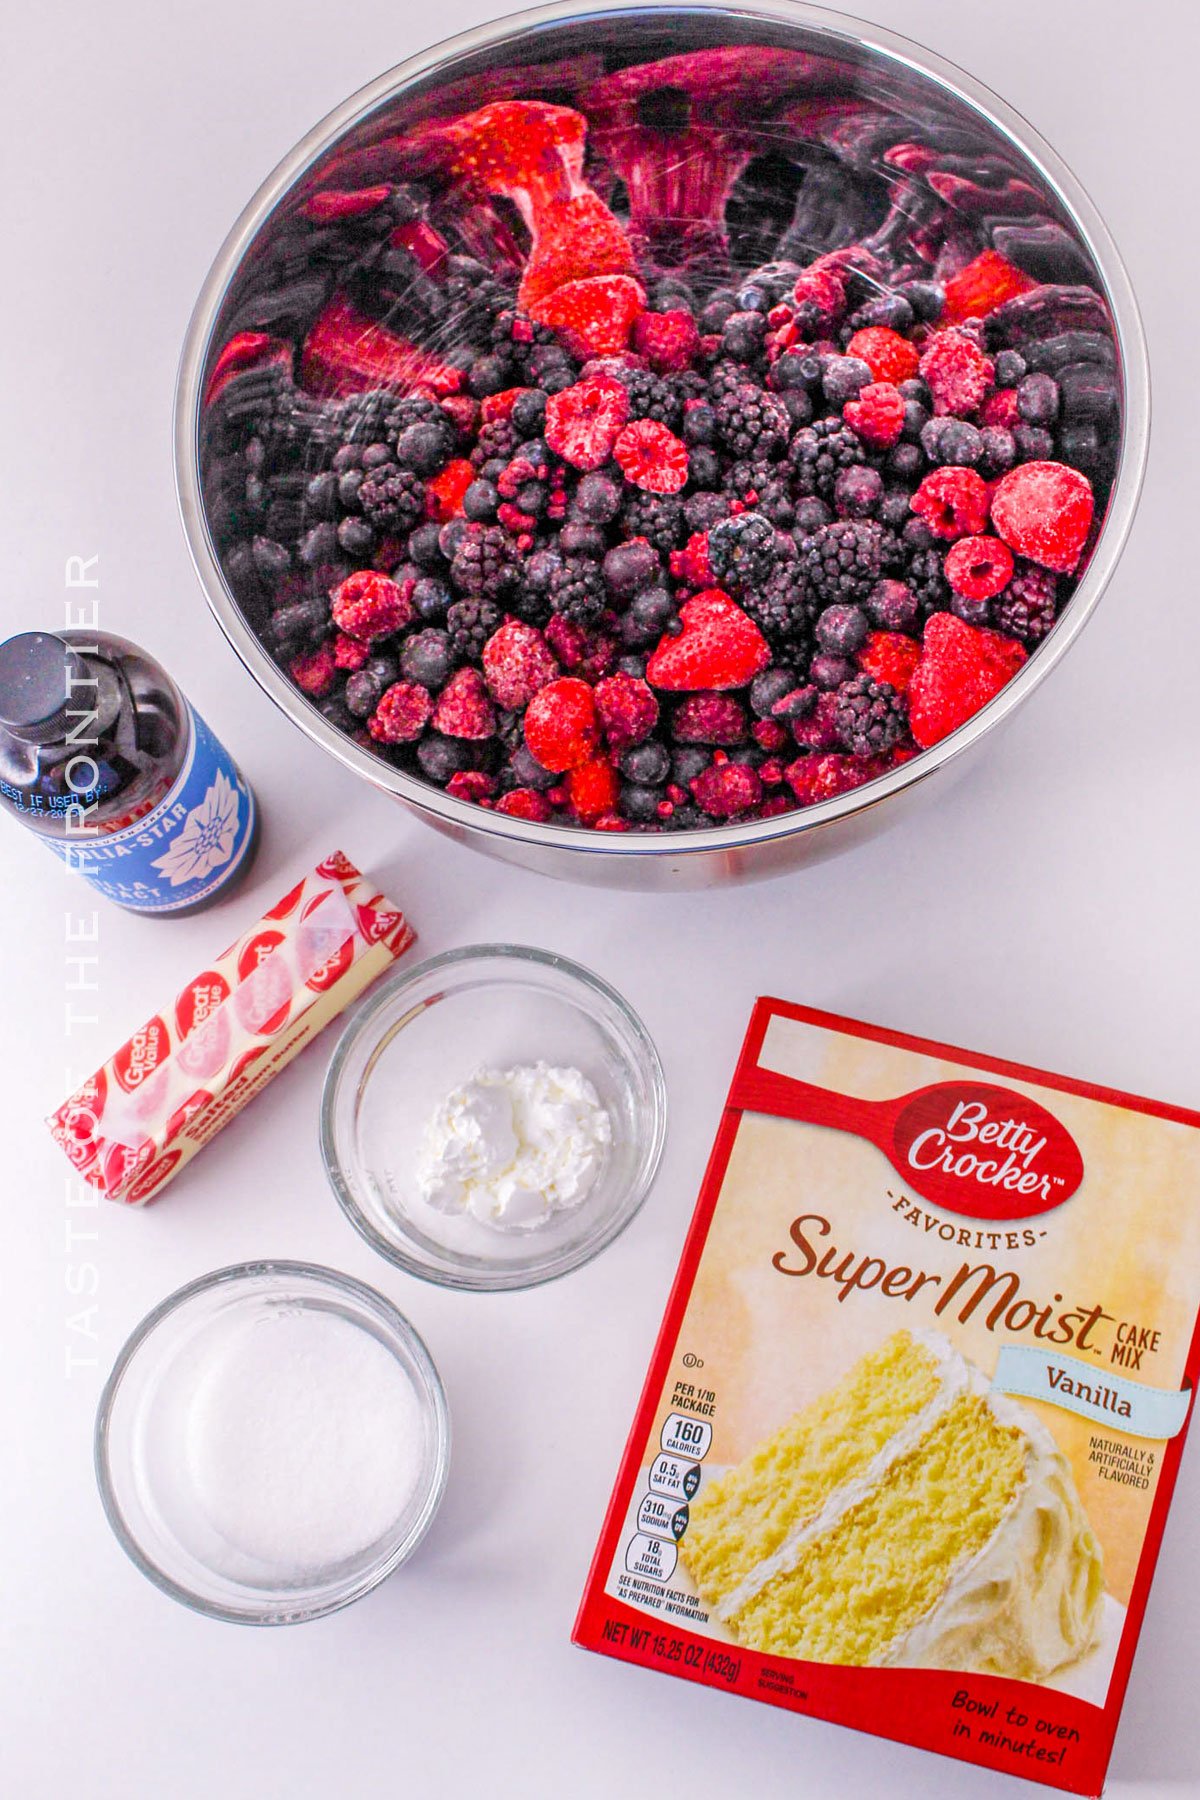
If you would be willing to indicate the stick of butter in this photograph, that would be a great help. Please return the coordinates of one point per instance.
(133, 1125)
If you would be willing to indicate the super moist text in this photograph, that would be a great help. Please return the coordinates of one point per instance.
(974, 1287)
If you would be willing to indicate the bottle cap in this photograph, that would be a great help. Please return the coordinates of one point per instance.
(38, 672)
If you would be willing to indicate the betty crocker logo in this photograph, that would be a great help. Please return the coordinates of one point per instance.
(984, 1151)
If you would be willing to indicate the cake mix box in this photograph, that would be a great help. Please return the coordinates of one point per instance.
(905, 1451)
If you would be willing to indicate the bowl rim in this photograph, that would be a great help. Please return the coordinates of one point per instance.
(466, 819)
(363, 1024)
(432, 1399)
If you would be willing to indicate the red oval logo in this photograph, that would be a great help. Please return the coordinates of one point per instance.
(984, 1151)
(137, 1059)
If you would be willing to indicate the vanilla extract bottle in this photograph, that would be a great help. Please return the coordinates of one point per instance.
(105, 759)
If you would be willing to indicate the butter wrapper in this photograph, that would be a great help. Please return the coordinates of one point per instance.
(178, 1080)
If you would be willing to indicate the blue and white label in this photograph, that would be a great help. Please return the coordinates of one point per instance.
(1094, 1393)
(182, 851)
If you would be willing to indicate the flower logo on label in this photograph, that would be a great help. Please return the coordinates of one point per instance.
(207, 838)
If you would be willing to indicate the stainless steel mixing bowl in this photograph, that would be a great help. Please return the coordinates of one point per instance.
(869, 61)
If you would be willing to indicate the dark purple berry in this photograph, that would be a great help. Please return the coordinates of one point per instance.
(841, 630)
(628, 568)
(857, 492)
(892, 606)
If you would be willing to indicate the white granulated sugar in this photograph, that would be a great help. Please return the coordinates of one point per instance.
(511, 1147)
(304, 1440)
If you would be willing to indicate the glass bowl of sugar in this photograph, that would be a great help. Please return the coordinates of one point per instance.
(272, 1443)
(494, 1117)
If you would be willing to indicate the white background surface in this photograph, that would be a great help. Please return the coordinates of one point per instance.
(1044, 909)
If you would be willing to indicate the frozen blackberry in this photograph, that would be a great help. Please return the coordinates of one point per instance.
(598, 500)
(782, 609)
(392, 499)
(741, 550)
(470, 623)
(656, 517)
(1027, 608)
(927, 581)
(577, 589)
(484, 562)
(842, 560)
(651, 397)
(498, 438)
(752, 423)
(818, 454)
(870, 716)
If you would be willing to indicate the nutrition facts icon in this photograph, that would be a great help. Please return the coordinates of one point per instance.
(671, 1476)
(653, 1558)
(686, 1437)
(658, 1518)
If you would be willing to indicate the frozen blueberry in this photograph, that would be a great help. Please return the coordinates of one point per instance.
(431, 598)
(356, 537)
(704, 467)
(1034, 443)
(648, 763)
(424, 548)
(843, 377)
(999, 450)
(841, 630)
(528, 771)
(428, 658)
(597, 499)
(688, 761)
(790, 372)
(639, 804)
(441, 757)
(480, 501)
(857, 492)
(1038, 399)
(488, 374)
(926, 298)
(529, 412)
(829, 672)
(769, 687)
(628, 568)
(892, 606)
(744, 335)
(423, 447)
(1010, 368)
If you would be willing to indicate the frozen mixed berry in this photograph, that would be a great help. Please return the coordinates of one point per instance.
(719, 647)
(889, 356)
(584, 421)
(1043, 511)
(958, 374)
(561, 727)
(842, 561)
(978, 567)
(464, 708)
(517, 662)
(870, 715)
(651, 457)
(627, 710)
(953, 503)
(1028, 607)
(742, 550)
(710, 719)
(577, 589)
(961, 668)
(369, 606)
(402, 713)
(819, 452)
(469, 625)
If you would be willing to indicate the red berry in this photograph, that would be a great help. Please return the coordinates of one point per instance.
(669, 340)
(890, 656)
(592, 788)
(953, 502)
(589, 653)
(583, 421)
(726, 789)
(464, 709)
(719, 647)
(526, 803)
(818, 729)
(691, 565)
(593, 316)
(333, 203)
(877, 416)
(368, 605)
(402, 714)
(350, 653)
(517, 661)
(1043, 511)
(889, 356)
(560, 724)
(959, 375)
(1000, 408)
(709, 719)
(313, 673)
(978, 567)
(471, 784)
(499, 406)
(961, 668)
(825, 288)
(816, 778)
(982, 286)
(627, 710)
(651, 457)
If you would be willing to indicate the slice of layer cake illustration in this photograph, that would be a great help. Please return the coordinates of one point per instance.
(911, 1516)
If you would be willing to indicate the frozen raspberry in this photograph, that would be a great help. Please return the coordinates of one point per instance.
(982, 286)
(402, 714)
(314, 672)
(471, 784)
(890, 357)
(669, 340)
(517, 661)
(1028, 606)
(627, 709)
(526, 803)
(978, 567)
(350, 653)
(816, 778)
(953, 503)
(369, 606)
(958, 374)
(444, 494)
(824, 290)
(561, 729)
(726, 789)
(464, 709)
(961, 668)
(593, 788)
(1043, 511)
(709, 719)
(691, 565)
(583, 421)
(588, 653)
(651, 457)
(890, 656)
(877, 415)
(719, 647)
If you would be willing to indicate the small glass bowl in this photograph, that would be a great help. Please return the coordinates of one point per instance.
(141, 1443)
(421, 1034)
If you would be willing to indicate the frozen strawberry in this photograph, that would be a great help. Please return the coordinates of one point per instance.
(890, 656)
(561, 728)
(982, 286)
(525, 803)
(402, 714)
(593, 788)
(627, 710)
(471, 784)
(1043, 511)
(709, 719)
(444, 494)
(574, 239)
(583, 422)
(368, 605)
(961, 668)
(331, 204)
(724, 790)
(876, 415)
(517, 661)
(979, 567)
(889, 356)
(246, 350)
(719, 647)
(314, 671)
(953, 502)
(669, 340)
(593, 315)
(348, 353)
(651, 457)
(959, 375)
(464, 709)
